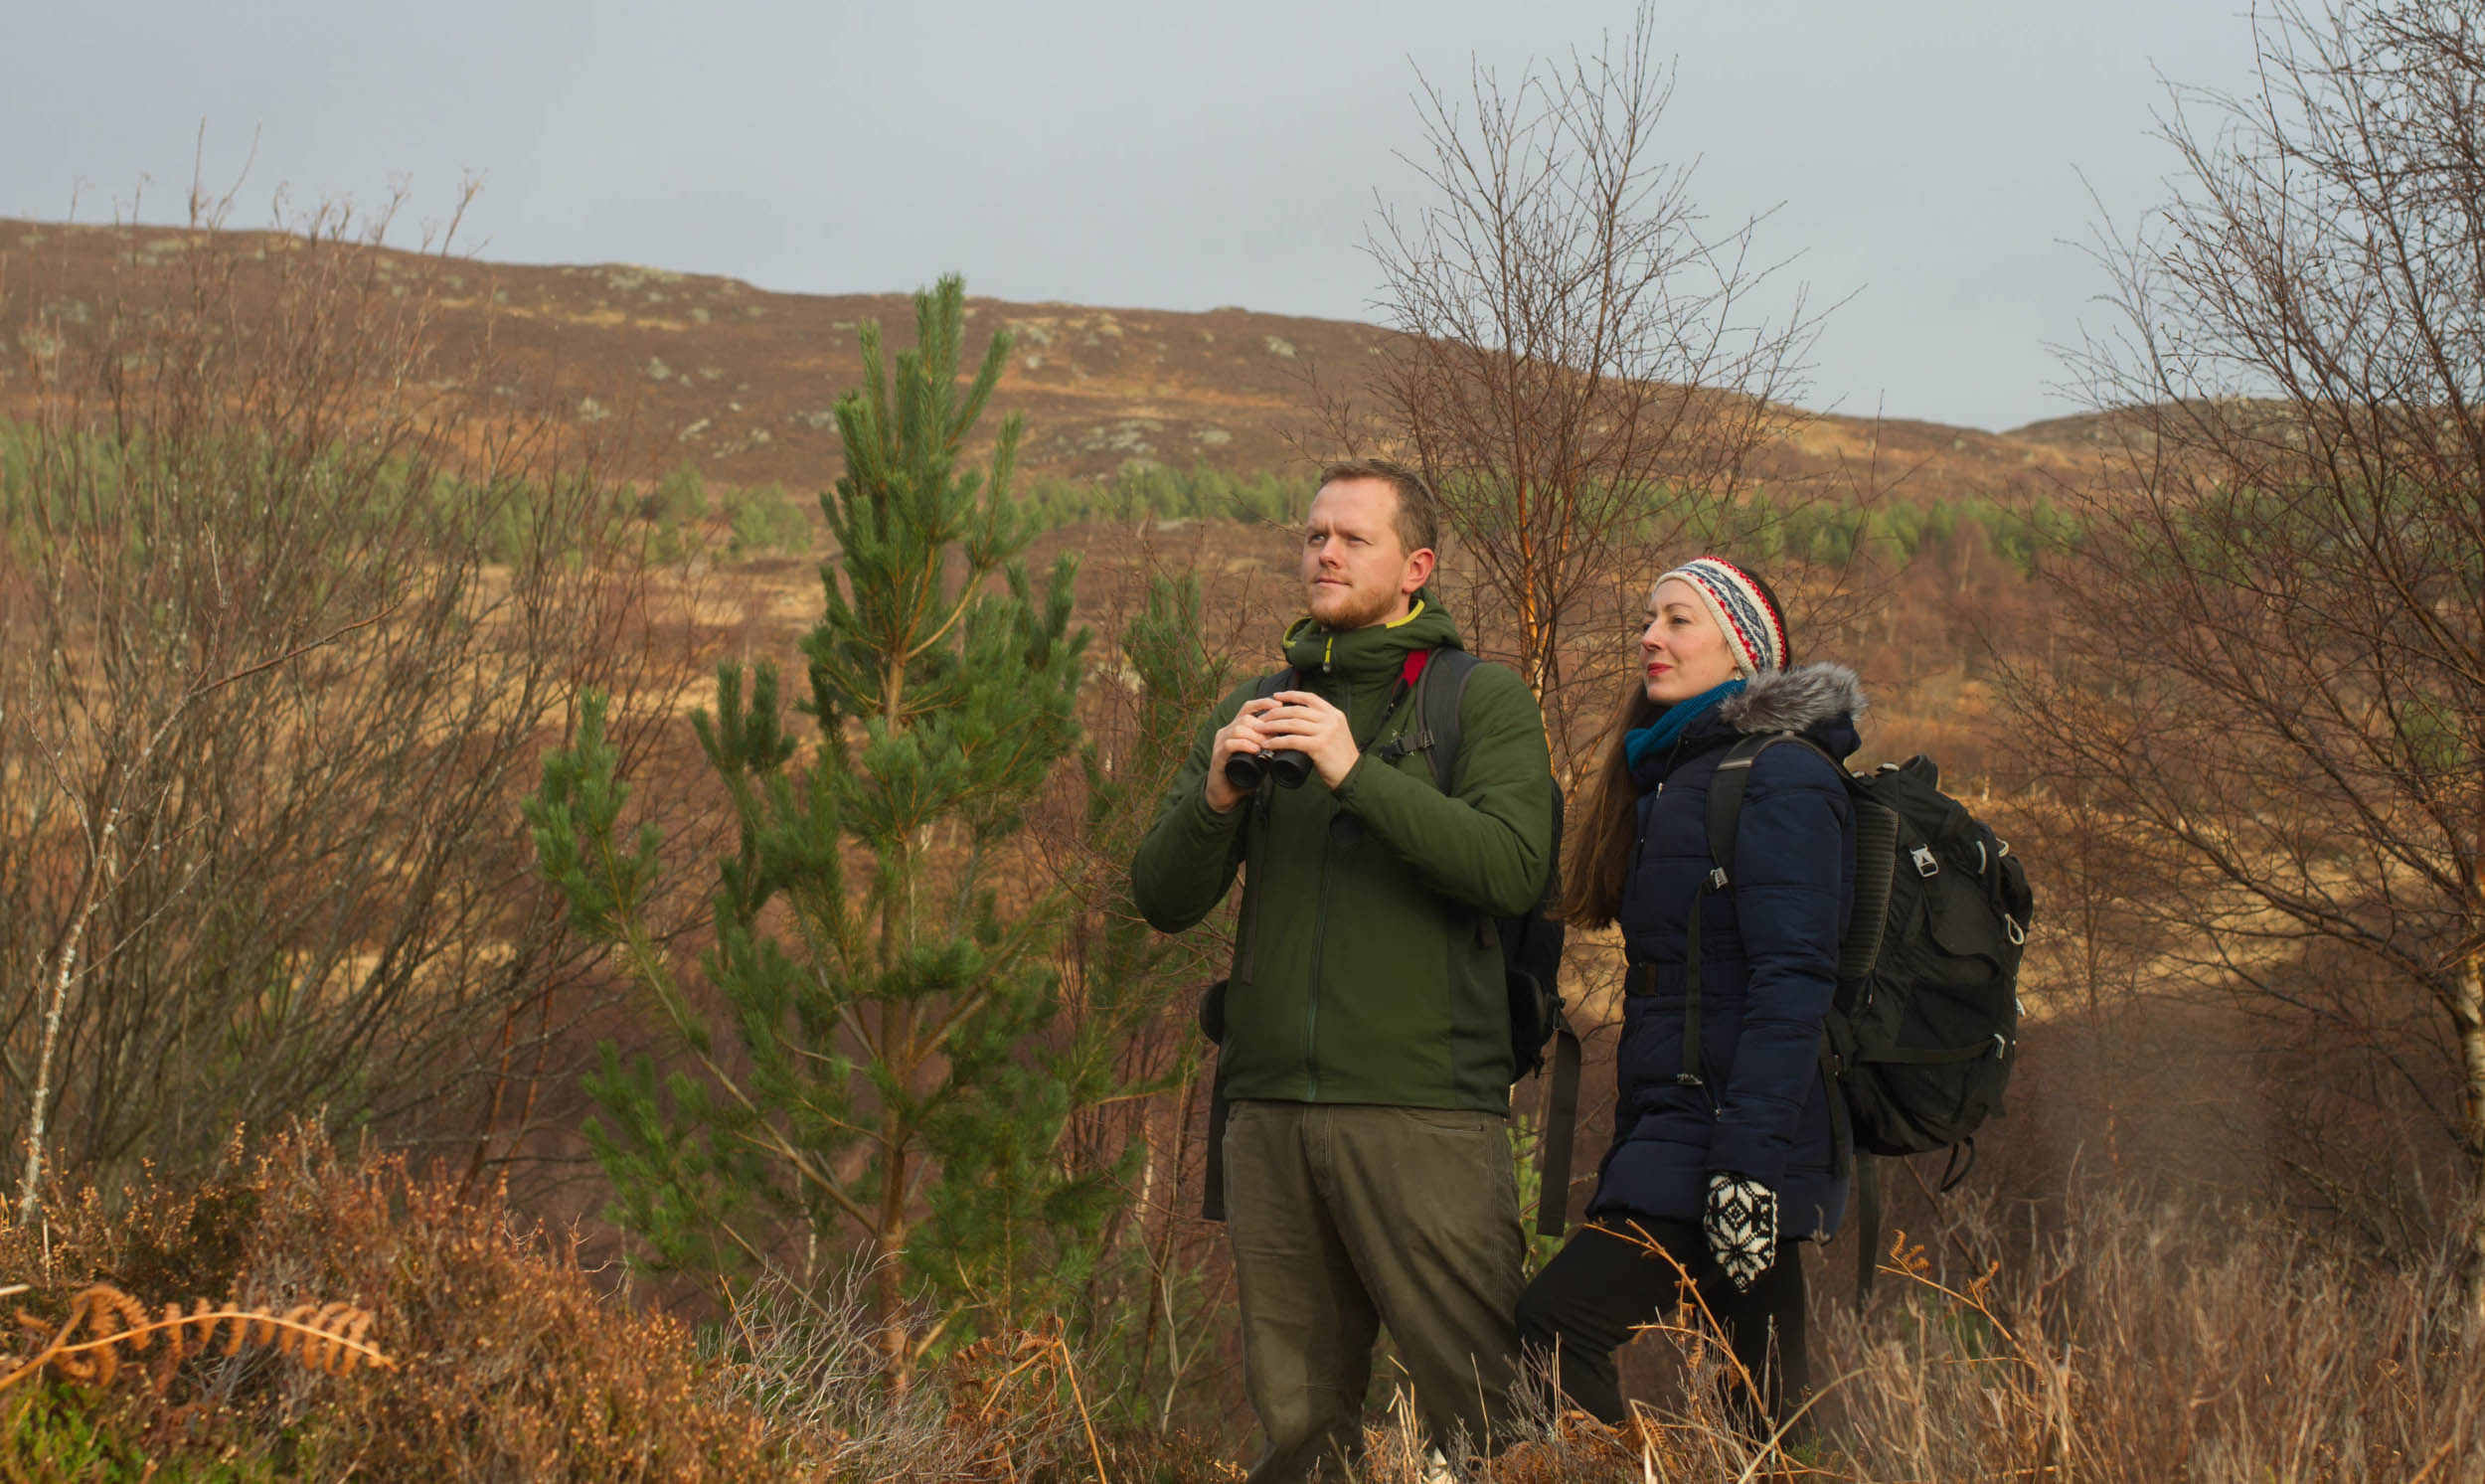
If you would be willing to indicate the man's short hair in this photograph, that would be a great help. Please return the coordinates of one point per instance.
(1419, 520)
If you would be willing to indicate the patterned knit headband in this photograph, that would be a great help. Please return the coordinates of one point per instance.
(1747, 615)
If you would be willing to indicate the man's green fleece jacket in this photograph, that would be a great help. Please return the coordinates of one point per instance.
(1366, 966)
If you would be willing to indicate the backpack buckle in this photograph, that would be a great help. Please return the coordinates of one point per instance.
(1716, 878)
(1403, 745)
(1925, 865)
(1688, 1079)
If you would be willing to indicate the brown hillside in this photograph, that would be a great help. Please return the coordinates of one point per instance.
(740, 381)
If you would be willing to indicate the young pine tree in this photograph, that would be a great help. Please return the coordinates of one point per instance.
(869, 1056)
(1138, 988)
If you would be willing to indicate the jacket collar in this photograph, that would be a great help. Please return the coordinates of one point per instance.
(1817, 701)
(1796, 700)
(1362, 654)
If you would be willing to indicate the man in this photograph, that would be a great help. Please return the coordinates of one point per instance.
(1367, 1037)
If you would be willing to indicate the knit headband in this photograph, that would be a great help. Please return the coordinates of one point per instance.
(1735, 601)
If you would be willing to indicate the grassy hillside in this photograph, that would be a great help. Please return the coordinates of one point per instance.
(738, 381)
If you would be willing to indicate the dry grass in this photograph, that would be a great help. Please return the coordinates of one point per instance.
(2120, 1342)
(1003, 1408)
(512, 1362)
(2131, 1343)
(2148, 1342)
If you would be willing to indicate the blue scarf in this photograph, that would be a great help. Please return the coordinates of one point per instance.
(1644, 741)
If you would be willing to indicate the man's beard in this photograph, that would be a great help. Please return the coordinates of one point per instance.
(1360, 609)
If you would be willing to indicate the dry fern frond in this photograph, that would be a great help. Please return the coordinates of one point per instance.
(1905, 1259)
(326, 1336)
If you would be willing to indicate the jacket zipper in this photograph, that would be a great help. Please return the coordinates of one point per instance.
(1311, 1026)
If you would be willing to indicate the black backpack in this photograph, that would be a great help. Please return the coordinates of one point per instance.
(1923, 1030)
(1531, 943)
(1531, 948)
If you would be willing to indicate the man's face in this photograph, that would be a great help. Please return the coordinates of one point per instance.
(1356, 571)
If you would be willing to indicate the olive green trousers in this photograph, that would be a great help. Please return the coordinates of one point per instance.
(1346, 1218)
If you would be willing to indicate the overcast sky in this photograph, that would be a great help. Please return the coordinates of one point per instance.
(1927, 156)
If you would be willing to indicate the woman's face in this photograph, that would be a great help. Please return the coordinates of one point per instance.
(1683, 649)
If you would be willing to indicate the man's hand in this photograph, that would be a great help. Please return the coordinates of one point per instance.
(1241, 735)
(1304, 722)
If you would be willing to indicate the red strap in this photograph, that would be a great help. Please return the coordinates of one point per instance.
(1413, 670)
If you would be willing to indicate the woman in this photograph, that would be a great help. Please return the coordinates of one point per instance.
(1713, 1173)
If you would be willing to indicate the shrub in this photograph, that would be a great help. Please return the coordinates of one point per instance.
(1141, 490)
(763, 519)
(510, 1362)
(289, 606)
(680, 498)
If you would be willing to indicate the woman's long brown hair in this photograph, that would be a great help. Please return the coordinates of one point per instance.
(1598, 848)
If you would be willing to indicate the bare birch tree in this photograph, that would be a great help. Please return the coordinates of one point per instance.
(1587, 367)
(289, 609)
(2281, 676)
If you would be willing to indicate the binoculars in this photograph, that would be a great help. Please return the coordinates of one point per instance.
(1245, 769)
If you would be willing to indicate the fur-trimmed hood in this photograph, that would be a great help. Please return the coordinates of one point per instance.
(1795, 700)
(1820, 701)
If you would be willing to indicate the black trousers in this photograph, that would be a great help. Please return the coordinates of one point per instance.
(1603, 1284)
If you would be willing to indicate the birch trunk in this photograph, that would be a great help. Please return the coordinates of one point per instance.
(2470, 1016)
(56, 1008)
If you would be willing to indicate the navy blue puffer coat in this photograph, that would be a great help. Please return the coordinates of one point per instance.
(1768, 949)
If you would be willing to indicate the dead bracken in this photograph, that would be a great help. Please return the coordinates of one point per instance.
(104, 1325)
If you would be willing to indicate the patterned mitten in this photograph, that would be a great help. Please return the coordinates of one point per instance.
(1741, 1221)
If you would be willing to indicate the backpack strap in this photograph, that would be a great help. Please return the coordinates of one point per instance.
(1734, 776)
(1867, 1209)
(1868, 1219)
(1726, 792)
(1441, 689)
(1441, 695)
(1212, 1198)
(1562, 1115)
(1561, 1090)
(1213, 1176)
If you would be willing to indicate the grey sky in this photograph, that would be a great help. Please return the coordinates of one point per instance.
(1927, 154)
